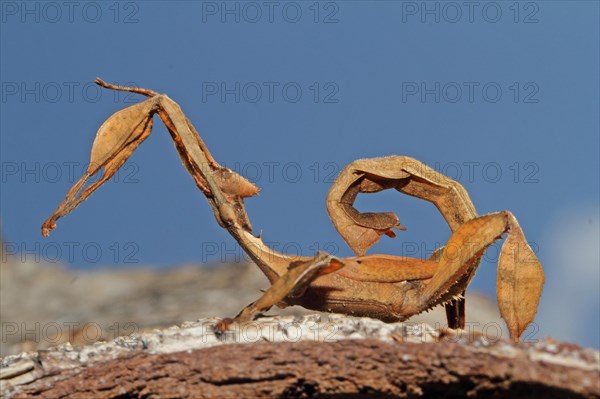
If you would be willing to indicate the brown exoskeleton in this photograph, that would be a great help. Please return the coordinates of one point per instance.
(386, 287)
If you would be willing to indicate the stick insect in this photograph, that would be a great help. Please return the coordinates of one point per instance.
(386, 287)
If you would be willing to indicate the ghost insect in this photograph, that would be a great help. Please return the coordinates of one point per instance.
(386, 287)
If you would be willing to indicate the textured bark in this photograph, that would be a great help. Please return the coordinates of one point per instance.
(193, 363)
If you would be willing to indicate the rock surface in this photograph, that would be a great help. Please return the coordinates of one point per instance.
(305, 357)
(82, 307)
(54, 321)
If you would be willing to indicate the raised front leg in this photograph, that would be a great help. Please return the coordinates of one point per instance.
(115, 141)
(224, 189)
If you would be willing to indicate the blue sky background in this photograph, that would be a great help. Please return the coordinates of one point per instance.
(502, 96)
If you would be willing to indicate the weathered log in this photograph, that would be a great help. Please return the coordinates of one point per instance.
(305, 357)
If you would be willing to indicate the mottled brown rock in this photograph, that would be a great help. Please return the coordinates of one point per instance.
(398, 363)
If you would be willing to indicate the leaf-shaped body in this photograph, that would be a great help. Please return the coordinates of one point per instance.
(117, 131)
(519, 281)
